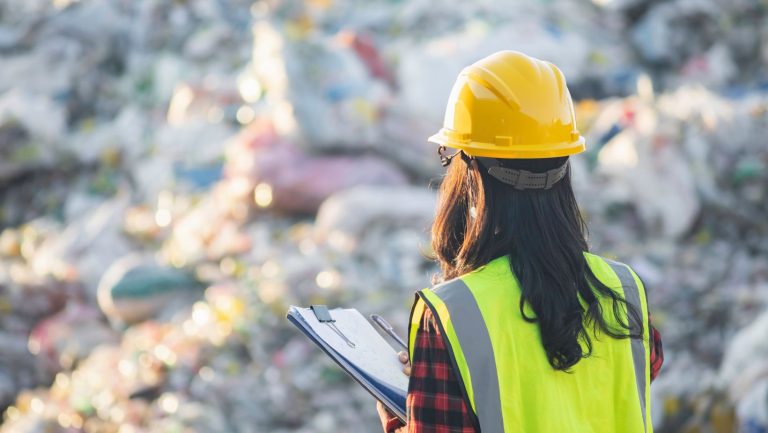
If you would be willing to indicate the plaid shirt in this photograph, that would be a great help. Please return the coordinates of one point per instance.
(435, 402)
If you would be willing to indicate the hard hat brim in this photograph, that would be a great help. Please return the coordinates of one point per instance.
(517, 151)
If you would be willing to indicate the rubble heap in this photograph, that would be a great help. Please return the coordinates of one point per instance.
(168, 189)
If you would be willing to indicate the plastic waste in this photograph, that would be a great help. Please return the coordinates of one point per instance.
(134, 289)
(276, 151)
(286, 178)
(375, 207)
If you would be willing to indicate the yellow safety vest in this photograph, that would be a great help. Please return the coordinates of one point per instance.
(506, 377)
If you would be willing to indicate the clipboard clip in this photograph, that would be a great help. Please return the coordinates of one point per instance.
(324, 316)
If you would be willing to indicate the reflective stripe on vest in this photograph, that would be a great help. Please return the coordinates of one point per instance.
(495, 398)
(632, 296)
(478, 352)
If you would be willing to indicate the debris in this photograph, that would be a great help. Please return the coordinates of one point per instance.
(162, 174)
(135, 289)
(285, 178)
(374, 208)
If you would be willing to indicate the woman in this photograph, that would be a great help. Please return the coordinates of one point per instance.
(528, 332)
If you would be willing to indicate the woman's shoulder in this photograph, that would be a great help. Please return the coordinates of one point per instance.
(605, 268)
(498, 267)
(597, 262)
(495, 268)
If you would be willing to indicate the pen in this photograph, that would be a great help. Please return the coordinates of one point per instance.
(388, 329)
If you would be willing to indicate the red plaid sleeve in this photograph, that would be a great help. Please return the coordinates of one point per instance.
(435, 402)
(657, 351)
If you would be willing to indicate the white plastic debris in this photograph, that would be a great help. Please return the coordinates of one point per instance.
(374, 208)
(118, 125)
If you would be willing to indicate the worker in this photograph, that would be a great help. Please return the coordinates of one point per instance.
(527, 331)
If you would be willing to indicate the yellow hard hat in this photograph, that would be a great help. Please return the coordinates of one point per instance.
(510, 105)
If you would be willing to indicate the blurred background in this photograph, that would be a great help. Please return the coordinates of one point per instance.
(175, 173)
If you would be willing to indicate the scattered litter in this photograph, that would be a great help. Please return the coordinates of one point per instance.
(174, 174)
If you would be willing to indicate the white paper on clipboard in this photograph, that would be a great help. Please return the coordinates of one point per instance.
(372, 361)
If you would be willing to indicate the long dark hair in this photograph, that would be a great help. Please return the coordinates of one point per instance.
(480, 218)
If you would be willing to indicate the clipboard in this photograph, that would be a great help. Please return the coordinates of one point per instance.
(354, 344)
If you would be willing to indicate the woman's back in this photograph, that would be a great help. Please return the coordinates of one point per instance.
(506, 374)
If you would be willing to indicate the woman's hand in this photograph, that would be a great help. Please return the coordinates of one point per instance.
(389, 421)
(403, 357)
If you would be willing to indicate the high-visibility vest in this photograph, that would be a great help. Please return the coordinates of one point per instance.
(506, 377)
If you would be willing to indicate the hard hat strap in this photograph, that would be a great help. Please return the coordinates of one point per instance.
(523, 179)
(445, 160)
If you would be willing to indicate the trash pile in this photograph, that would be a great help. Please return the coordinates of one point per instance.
(173, 175)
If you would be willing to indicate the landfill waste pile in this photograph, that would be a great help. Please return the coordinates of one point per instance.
(175, 174)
